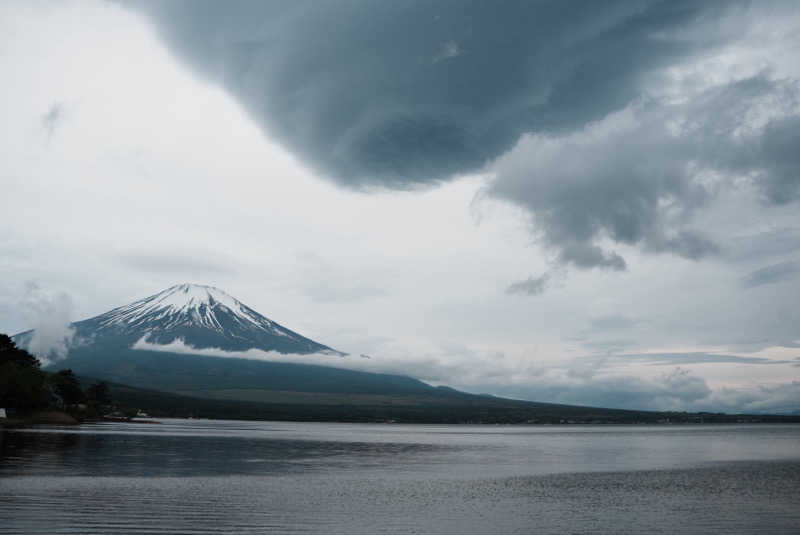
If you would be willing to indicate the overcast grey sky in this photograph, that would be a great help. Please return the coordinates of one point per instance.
(583, 202)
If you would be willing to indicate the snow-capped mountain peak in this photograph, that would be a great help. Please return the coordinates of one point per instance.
(185, 304)
(199, 316)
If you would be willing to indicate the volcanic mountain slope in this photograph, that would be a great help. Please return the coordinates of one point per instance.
(204, 317)
(199, 316)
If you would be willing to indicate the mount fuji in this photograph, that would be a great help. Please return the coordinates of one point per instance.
(184, 351)
(199, 316)
(136, 345)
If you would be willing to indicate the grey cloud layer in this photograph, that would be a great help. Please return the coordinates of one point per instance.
(775, 273)
(382, 94)
(780, 241)
(637, 177)
(674, 359)
(672, 391)
(676, 390)
(395, 94)
(530, 286)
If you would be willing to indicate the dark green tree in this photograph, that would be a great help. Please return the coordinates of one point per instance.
(9, 352)
(98, 394)
(21, 380)
(66, 385)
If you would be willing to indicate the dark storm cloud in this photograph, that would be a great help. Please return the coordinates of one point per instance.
(780, 272)
(558, 100)
(402, 93)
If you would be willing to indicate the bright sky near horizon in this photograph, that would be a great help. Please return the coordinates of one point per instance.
(601, 212)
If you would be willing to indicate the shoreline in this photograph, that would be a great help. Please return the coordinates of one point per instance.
(56, 417)
(62, 418)
(46, 417)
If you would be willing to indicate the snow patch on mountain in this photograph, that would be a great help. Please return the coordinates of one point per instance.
(186, 304)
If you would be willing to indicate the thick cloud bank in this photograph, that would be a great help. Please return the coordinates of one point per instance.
(637, 176)
(609, 123)
(398, 93)
(587, 382)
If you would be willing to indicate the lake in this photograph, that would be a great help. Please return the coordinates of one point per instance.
(203, 476)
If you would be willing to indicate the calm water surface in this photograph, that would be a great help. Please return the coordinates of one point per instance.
(196, 476)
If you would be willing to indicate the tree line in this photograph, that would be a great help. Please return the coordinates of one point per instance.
(25, 387)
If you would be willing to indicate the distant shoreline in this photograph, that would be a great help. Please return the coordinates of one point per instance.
(55, 417)
(63, 419)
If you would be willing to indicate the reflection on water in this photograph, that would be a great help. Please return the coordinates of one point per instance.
(108, 453)
(255, 477)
